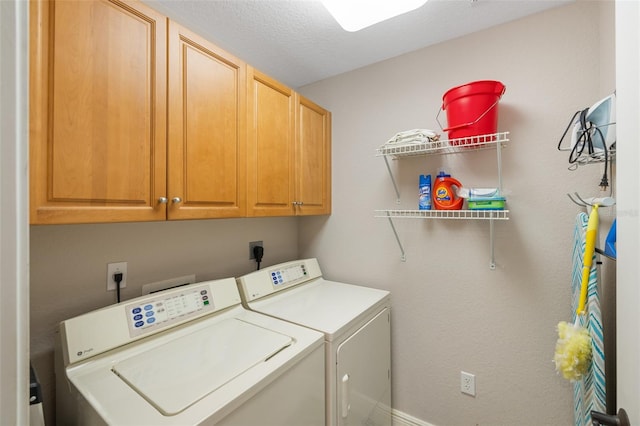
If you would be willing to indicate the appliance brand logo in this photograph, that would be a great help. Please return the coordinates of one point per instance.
(85, 352)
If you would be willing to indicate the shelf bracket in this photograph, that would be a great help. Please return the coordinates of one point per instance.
(395, 186)
(499, 161)
(393, 228)
(492, 262)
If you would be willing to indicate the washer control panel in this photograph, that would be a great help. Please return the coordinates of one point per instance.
(288, 275)
(164, 309)
(117, 325)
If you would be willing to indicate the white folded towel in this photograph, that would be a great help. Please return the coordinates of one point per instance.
(414, 136)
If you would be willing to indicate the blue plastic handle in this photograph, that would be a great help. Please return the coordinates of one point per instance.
(610, 241)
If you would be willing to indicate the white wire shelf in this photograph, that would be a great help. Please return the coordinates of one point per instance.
(465, 145)
(444, 214)
(446, 146)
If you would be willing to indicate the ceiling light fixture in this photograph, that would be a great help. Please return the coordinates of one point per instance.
(354, 15)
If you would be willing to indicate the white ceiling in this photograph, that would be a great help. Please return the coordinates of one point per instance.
(298, 42)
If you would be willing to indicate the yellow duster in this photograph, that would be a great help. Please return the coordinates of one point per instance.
(573, 348)
(573, 351)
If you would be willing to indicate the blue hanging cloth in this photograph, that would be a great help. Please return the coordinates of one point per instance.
(590, 392)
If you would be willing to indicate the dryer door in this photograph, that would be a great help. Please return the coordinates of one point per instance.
(364, 374)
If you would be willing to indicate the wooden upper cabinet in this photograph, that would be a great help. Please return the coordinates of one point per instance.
(97, 112)
(289, 151)
(271, 147)
(313, 158)
(207, 129)
(135, 118)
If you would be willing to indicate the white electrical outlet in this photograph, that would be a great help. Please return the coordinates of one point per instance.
(114, 268)
(468, 383)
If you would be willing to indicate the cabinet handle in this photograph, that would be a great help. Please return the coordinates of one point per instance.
(297, 203)
(163, 200)
(176, 200)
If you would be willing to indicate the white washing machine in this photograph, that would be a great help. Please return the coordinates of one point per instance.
(188, 356)
(355, 321)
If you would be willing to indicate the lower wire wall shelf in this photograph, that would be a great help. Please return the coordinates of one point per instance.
(490, 215)
(444, 214)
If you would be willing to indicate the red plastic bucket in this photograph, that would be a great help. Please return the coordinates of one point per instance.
(472, 110)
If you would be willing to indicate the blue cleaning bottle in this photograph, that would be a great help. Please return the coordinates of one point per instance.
(424, 193)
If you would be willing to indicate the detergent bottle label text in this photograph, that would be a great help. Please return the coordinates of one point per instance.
(442, 194)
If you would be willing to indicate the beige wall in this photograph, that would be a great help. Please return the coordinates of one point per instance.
(450, 311)
(69, 266)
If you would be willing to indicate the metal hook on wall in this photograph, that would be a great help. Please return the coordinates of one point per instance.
(600, 201)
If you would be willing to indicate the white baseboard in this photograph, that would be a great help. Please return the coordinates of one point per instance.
(398, 418)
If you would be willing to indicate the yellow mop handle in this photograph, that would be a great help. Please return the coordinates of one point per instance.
(590, 243)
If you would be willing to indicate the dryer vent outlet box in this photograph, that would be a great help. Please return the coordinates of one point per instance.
(167, 284)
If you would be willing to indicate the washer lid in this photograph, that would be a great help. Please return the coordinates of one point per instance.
(176, 375)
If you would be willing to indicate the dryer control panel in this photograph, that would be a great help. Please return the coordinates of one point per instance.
(278, 277)
(288, 275)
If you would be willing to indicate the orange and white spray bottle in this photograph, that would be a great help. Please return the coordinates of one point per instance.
(444, 195)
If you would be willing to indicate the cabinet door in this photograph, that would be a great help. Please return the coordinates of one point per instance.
(313, 159)
(207, 129)
(97, 112)
(270, 151)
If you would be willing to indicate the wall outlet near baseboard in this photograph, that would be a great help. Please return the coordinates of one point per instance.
(467, 383)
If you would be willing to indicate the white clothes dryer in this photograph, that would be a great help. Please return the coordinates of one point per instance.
(355, 321)
(188, 356)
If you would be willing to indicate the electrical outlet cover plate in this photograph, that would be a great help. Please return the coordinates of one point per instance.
(468, 383)
(113, 268)
(252, 244)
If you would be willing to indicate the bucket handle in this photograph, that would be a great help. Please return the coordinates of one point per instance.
(459, 126)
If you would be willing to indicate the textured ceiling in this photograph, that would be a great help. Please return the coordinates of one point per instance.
(298, 42)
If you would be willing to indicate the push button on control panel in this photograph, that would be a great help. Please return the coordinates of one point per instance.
(277, 277)
(290, 275)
